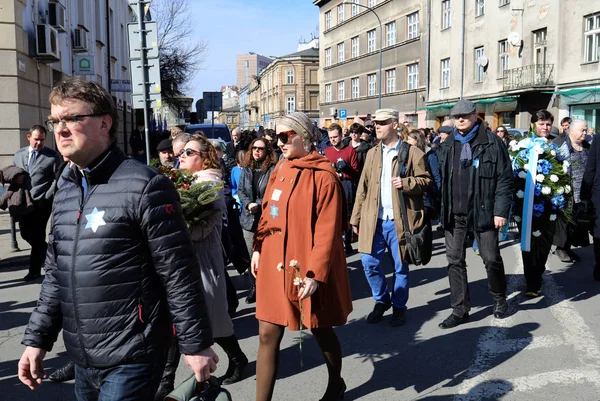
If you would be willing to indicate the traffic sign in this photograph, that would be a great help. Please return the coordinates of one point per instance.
(137, 76)
(266, 118)
(137, 101)
(257, 125)
(343, 114)
(133, 31)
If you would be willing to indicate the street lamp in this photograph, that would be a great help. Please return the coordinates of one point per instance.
(295, 78)
(380, 45)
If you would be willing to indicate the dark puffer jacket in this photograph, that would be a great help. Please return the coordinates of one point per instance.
(118, 261)
(490, 180)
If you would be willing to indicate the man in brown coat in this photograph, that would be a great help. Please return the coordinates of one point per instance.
(377, 218)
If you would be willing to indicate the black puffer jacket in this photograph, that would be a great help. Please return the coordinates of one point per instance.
(490, 180)
(118, 261)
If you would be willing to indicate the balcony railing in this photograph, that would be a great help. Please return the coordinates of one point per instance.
(529, 76)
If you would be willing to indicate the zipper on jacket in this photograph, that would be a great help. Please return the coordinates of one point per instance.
(73, 281)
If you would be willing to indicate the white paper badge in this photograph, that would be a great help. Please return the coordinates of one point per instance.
(276, 194)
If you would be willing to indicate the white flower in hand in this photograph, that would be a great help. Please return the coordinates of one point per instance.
(552, 217)
(520, 194)
(294, 263)
(536, 233)
(280, 266)
(298, 282)
(554, 178)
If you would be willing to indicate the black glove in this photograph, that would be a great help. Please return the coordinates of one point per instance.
(341, 165)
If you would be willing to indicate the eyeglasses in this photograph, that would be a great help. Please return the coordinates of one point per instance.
(285, 136)
(188, 152)
(501, 130)
(69, 121)
(385, 122)
(262, 149)
(463, 116)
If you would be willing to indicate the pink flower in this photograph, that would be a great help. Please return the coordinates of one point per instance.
(298, 282)
(294, 263)
(280, 266)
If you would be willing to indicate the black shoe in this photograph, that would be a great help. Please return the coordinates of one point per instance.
(597, 272)
(500, 308)
(338, 394)
(453, 321)
(251, 298)
(378, 311)
(572, 255)
(533, 293)
(563, 255)
(63, 374)
(32, 276)
(398, 317)
(235, 370)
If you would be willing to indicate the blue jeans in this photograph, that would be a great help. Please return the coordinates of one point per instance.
(130, 382)
(385, 236)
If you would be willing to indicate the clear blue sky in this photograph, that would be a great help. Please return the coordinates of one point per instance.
(231, 27)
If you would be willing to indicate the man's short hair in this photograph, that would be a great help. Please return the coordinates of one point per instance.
(542, 115)
(40, 128)
(184, 137)
(334, 126)
(566, 120)
(89, 92)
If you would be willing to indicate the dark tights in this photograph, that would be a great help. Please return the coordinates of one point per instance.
(267, 362)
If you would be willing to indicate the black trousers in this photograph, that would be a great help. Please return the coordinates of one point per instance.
(534, 261)
(33, 230)
(348, 188)
(456, 236)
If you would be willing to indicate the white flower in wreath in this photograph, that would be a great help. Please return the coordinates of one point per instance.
(560, 190)
(540, 177)
(552, 217)
(567, 189)
(526, 167)
(520, 194)
(525, 143)
(554, 178)
(565, 167)
(536, 233)
(553, 152)
(517, 219)
(522, 174)
(538, 149)
(546, 190)
(514, 146)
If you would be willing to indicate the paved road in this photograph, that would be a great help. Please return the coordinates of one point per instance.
(546, 350)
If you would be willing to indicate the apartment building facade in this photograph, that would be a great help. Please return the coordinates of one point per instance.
(42, 42)
(249, 65)
(513, 57)
(372, 51)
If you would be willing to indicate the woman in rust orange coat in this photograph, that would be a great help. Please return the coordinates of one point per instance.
(299, 260)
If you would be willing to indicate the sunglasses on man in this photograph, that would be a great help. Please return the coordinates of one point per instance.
(384, 122)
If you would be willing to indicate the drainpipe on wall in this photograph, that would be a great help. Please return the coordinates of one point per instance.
(108, 44)
(428, 61)
(462, 52)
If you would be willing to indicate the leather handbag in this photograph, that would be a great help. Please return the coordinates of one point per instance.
(192, 390)
(419, 243)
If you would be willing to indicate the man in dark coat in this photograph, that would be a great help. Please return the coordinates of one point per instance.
(477, 182)
(42, 163)
(137, 141)
(121, 272)
(590, 193)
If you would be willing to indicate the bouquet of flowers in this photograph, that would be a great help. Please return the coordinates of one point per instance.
(196, 198)
(543, 185)
(298, 283)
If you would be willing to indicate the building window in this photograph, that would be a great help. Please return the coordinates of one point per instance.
(502, 57)
(327, 20)
(478, 66)
(372, 84)
(445, 68)
(290, 102)
(390, 34)
(340, 50)
(355, 46)
(354, 11)
(446, 15)
(341, 88)
(371, 3)
(340, 9)
(413, 25)
(355, 88)
(592, 38)
(539, 46)
(504, 2)
(413, 76)
(390, 81)
(289, 74)
(371, 41)
(328, 93)
(328, 57)
(479, 8)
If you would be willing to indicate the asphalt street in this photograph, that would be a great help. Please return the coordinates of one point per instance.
(547, 349)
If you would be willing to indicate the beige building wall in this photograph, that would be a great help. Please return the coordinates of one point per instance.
(397, 56)
(256, 63)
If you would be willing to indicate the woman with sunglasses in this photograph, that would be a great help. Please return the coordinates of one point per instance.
(200, 157)
(301, 225)
(503, 134)
(259, 163)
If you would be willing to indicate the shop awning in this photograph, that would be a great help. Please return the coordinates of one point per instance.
(438, 106)
(587, 90)
(503, 99)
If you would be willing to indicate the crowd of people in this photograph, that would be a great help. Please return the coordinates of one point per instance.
(134, 284)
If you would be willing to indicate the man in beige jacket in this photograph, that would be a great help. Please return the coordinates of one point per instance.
(377, 218)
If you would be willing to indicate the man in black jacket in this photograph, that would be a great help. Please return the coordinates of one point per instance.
(120, 266)
(477, 181)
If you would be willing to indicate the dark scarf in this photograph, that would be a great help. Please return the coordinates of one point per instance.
(466, 153)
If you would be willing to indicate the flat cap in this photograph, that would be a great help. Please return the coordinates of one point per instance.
(385, 114)
(165, 144)
(445, 129)
(463, 107)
